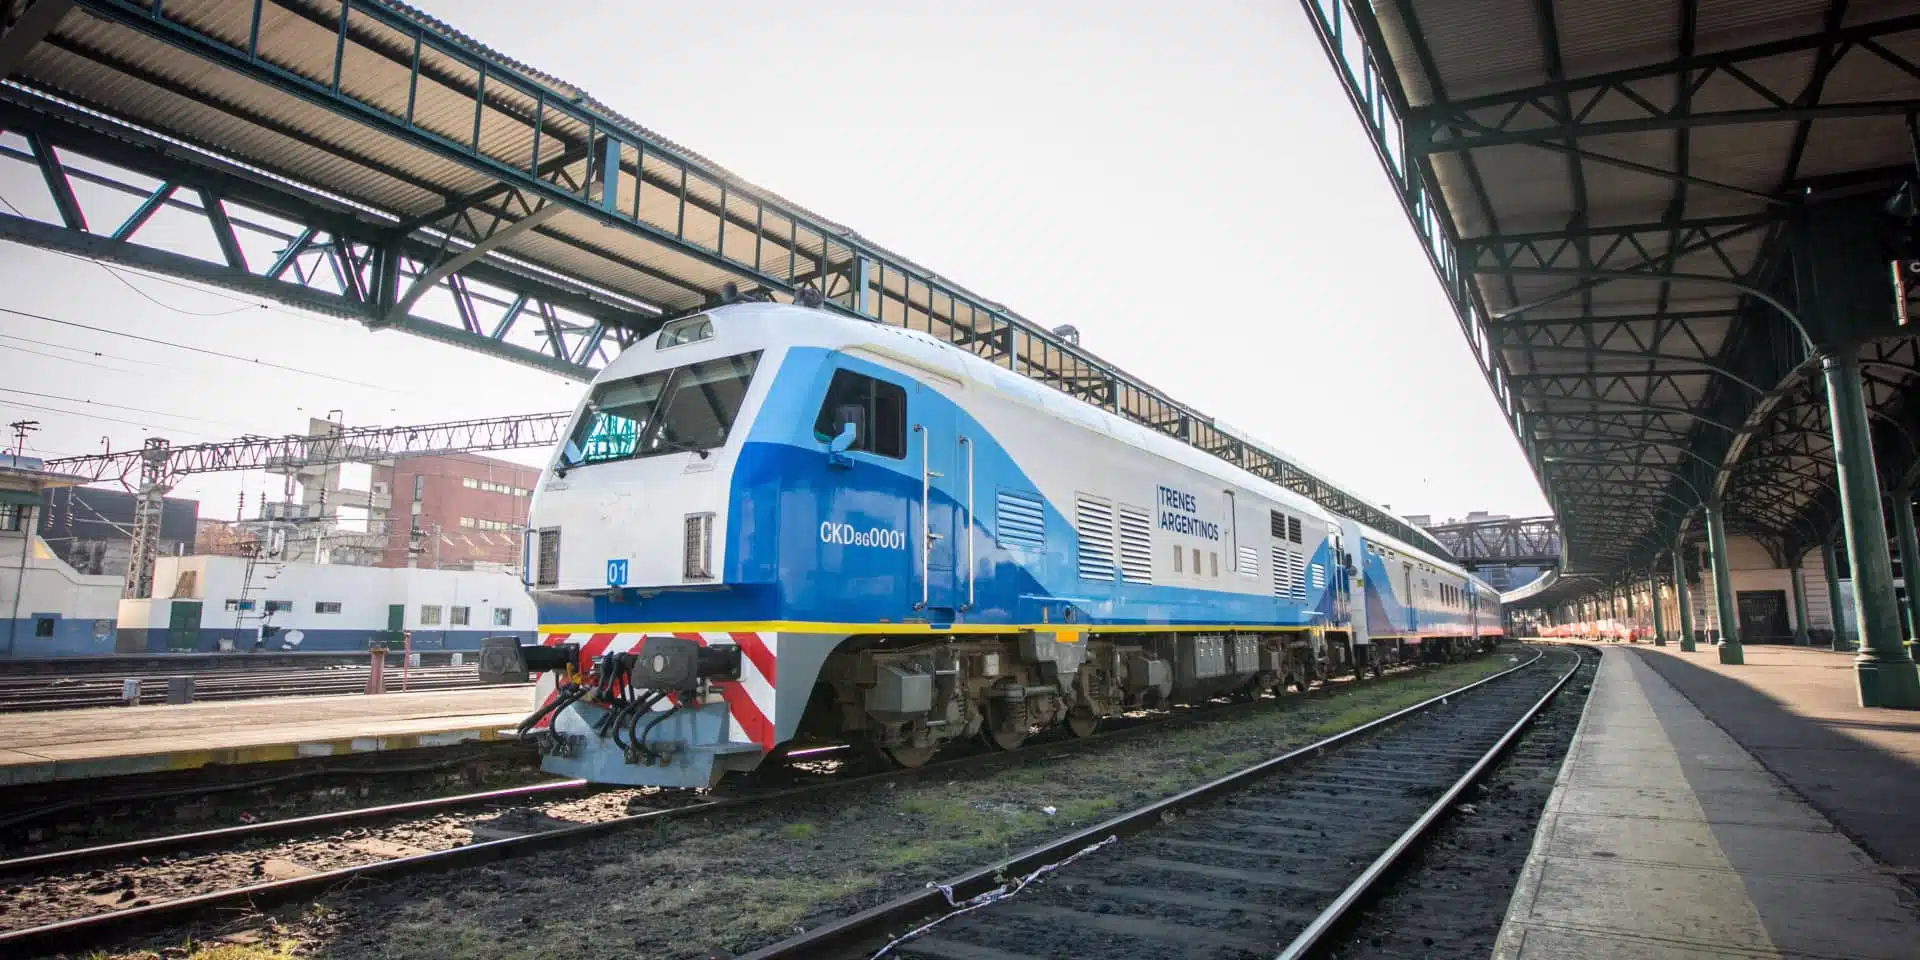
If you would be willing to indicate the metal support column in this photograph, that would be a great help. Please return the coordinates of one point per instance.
(1902, 503)
(1730, 649)
(1884, 669)
(1659, 618)
(1681, 562)
(1831, 558)
(1794, 575)
(138, 583)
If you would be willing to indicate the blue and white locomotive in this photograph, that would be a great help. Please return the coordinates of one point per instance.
(772, 526)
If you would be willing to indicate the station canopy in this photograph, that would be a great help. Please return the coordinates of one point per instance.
(1605, 188)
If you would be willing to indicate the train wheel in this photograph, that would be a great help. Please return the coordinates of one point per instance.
(912, 758)
(1081, 722)
(1004, 739)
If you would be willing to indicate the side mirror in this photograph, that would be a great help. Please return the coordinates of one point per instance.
(837, 447)
(849, 432)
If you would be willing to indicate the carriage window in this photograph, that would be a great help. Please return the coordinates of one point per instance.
(876, 408)
(690, 408)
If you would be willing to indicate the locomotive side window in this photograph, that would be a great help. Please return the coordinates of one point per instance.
(876, 408)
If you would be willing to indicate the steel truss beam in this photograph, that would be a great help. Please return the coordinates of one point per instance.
(350, 445)
(332, 261)
(1511, 542)
(1540, 113)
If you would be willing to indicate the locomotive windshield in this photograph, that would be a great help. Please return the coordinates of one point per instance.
(688, 408)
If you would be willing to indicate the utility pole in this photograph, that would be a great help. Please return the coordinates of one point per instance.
(20, 430)
(154, 484)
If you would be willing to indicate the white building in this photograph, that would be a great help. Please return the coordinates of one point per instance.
(49, 609)
(222, 603)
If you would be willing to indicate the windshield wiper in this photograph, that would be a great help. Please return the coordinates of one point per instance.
(681, 446)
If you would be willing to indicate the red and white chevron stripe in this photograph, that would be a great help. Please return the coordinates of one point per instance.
(749, 699)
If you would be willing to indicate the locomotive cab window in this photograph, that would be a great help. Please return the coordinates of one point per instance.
(686, 409)
(877, 409)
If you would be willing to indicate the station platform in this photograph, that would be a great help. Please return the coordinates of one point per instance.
(117, 741)
(1664, 838)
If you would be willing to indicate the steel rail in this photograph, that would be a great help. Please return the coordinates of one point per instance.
(1409, 839)
(862, 926)
(84, 933)
(173, 843)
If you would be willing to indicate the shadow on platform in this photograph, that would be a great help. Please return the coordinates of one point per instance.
(1855, 768)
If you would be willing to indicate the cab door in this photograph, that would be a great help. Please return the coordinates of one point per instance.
(939, 455)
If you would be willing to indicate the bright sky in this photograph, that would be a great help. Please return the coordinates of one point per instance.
(1186, 184)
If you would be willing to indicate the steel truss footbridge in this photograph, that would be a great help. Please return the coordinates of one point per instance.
(362, 159)
(1678, 237)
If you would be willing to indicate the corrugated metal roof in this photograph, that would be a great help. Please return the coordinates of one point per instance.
(1567, 140)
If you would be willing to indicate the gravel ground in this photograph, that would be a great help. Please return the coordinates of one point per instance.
(194, 807)
(747, 877)
(36, 900)
(1450, 900)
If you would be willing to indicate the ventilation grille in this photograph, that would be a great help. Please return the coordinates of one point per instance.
(1293, 529)
(547, 550)
(699, 547)
(1278, 524)
(1093, 517)
(1136, 545)
(1289, 575)
(1249, 562)
(1317, 576)
(1019, 521)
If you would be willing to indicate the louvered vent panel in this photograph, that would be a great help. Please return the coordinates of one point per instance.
(1293, 529)
(1019, 521)
(1093, 517)
(1296, 575)
(1136, 545)
(1278, 524)
(1317, 576)
(1281, 570)
(1249, 562)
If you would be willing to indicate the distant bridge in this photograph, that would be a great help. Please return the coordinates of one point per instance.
(1507, 542)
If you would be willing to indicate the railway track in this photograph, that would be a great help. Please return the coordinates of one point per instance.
(32, 693)
(1249, 865)
(51, 902)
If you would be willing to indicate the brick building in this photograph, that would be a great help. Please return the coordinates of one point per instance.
(455, 512)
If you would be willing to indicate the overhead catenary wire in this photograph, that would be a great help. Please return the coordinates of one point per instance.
(206, 351)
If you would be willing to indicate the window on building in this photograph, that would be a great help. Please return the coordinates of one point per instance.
(13, 517)
(43, 626)
(876, 408)
(239, 604)
(502, 617)
(429, 614)
(481, 523)
(326, 606)
(279, 606)
(419, 486)
(470, 483)
(457, 616)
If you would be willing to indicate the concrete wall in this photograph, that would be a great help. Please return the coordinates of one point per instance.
(46, 608)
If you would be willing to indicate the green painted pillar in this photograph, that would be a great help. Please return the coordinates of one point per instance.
(1794, 574)
(1659, 619)
(1884, 668)
(1831, 558)
(1682, 562)
(1909, 558)
(1730, 649)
